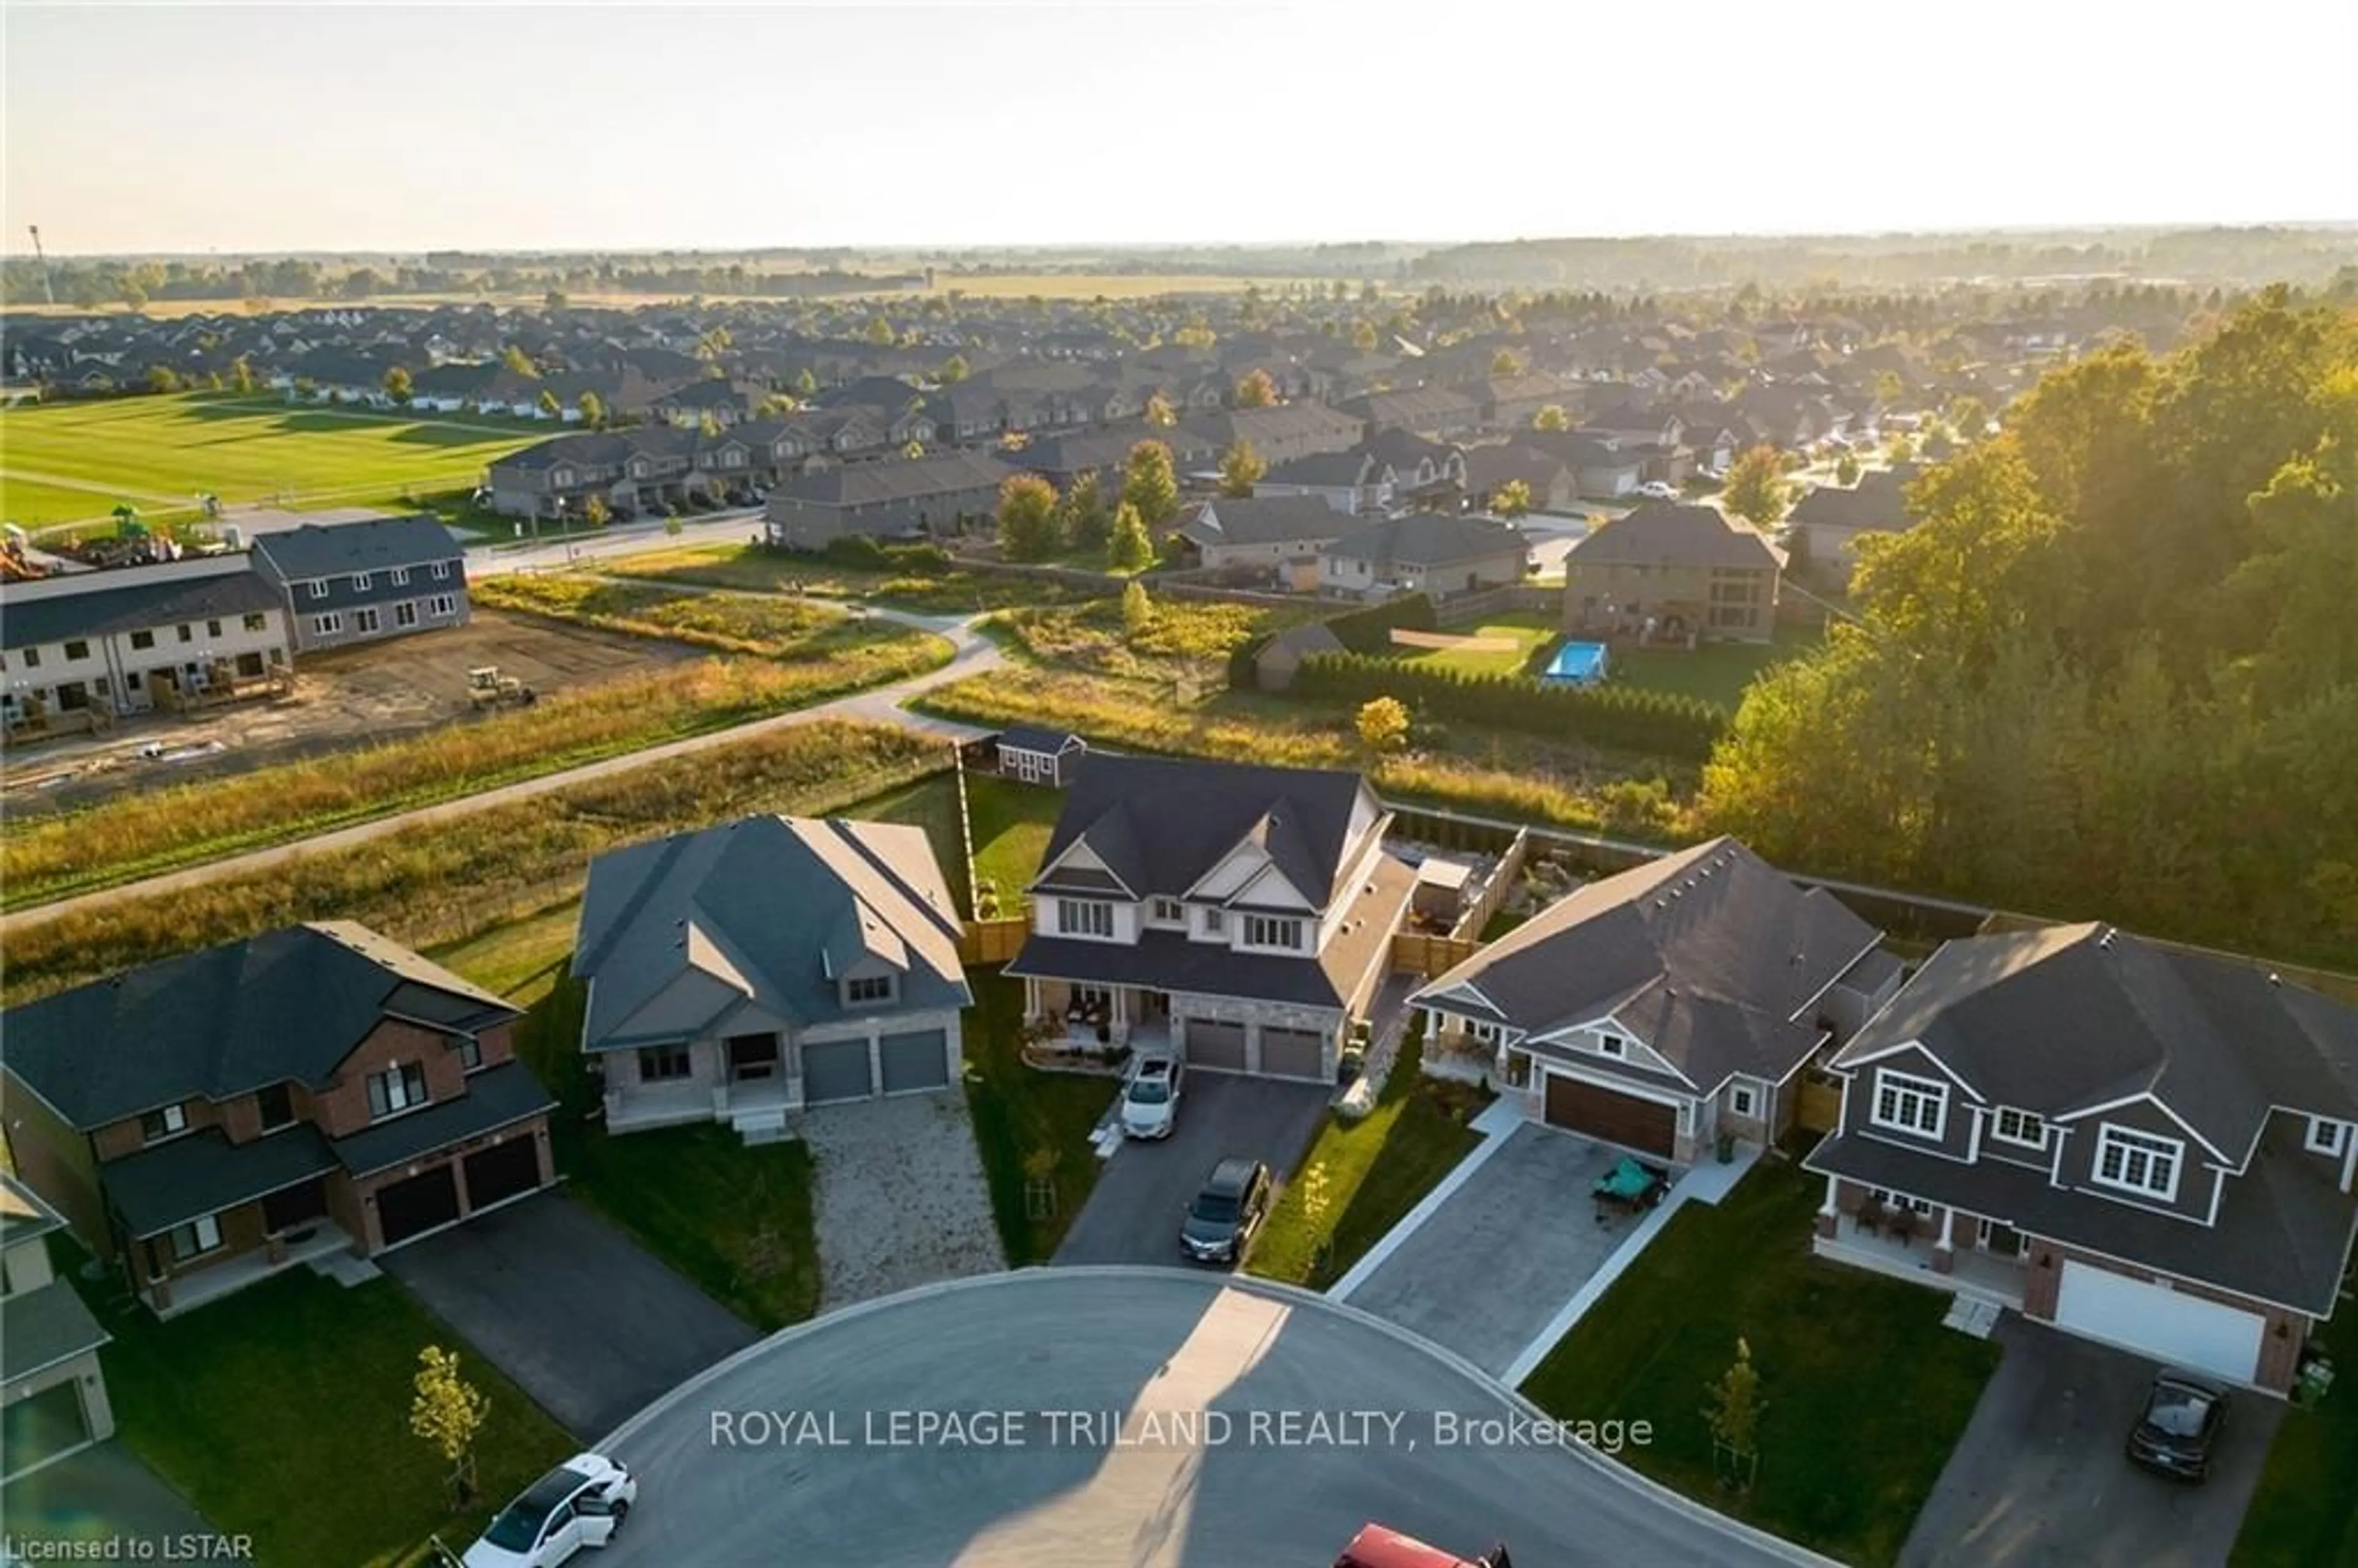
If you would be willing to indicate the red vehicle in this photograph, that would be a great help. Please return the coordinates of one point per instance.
(1377, 1547)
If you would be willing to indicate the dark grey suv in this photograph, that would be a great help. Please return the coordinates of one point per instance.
(1221, 1221)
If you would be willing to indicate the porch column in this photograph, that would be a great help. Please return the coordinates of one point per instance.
(1944, 1255)
(1830, 1216)
(1031, 997)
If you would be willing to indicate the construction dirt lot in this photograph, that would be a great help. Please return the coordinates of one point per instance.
(350, 696)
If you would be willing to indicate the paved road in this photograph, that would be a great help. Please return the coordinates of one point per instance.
(583, 1319)
(2038, 1479)
(1133, 1213)
(1132, 1346)
(1489, 1269)
(971, 653)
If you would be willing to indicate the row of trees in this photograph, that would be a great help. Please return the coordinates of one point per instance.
(1035, 524)
(2114, 670)
(1633, 718)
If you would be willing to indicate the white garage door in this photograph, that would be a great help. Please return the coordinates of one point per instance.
(2169, 1325)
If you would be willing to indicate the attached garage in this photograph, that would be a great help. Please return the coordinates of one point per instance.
(41, 1427)
(2171, 1326)
(916, 1061)
(835, 1070)
(1293, 1052)
(1216, 1046)
(409, 1208)
(507, 1169)
(1611, 1116)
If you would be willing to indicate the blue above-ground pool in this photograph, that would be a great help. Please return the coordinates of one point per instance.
(1583, 664)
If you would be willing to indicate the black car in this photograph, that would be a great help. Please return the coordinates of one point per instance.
(1221, 1221)
(2181, 1426)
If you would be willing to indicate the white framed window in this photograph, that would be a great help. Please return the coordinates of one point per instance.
(405, 613)
(1169, 911)
(327, 625)
(257, 622)
(1084, 917)
(442, 604)
(401, 576)
(1215, 922)
(366, 619)
(397, 1090)
(1486, 1030)
(441, 569)
(2138, 1163)
(318, 588)
(1890, 1199)
(163, 1122)
(471, 1052)
(194, 1239)
(2326, 1137)
(1273, 931)
(359, 582)
(868, 988)
(1905, 1103)
(2013, 1126)
(1743, 1099)
(658, 1064)
(1611, 1044)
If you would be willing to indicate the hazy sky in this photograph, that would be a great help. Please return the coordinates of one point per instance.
(360, 127)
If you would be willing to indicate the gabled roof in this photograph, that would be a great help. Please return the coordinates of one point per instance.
(287, 1004)
(767, 913)
(377, 545)
(1708, 957)
(1161, 825)
(2064, 1020)
(1429, 539)
(1264, 519)
(867, 485)
(1671, 533)
(1324, 470)
(100, 604)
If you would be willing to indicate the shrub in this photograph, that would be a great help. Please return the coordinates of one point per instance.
(855, 550)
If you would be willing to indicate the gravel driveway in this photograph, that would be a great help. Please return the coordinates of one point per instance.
(901, 1197)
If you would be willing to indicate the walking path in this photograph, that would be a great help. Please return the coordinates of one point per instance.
(971, 653)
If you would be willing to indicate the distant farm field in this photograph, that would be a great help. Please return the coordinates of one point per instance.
(159, 453)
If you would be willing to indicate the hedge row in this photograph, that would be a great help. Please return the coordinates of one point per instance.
(1626, 718)
(867, 554)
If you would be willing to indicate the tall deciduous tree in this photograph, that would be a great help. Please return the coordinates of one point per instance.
(1240, 469)
(397, 384)
(1160, 414)
(1257, 391)
(448, 1412)
(593, 410)
(1512, 499)
(1027, 518)
(1552, 417)
(1137, 610)
(1149, 486)
(1755, 486)
(1504, 362)
(1088, 521)
(516, 360)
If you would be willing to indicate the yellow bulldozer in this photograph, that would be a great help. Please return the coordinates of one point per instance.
(487, 687)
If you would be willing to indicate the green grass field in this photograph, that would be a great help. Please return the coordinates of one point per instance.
(1527, 631)
(159, 453)
(1716, 672)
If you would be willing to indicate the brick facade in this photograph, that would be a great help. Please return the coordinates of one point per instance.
(2280, 1342)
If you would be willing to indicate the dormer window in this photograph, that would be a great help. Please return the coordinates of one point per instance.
(1281, 932)
(2013, 1126)
(1084, 917)
(2138, 1163)
(1907, 1104)
(862, 988)
(2326, 1137)
(1168, 911)
(160, 1124)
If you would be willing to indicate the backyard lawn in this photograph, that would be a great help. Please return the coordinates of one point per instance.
(159, 453)
(1360, 1179)
(1862, 1393)
(285, 1416)
(1029, 1126)
(2302, 1512)
(1527, 632)
(1011, 823)
(1716, 672)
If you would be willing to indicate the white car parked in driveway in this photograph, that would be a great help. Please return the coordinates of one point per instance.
(1655, 489)
(580, 1503)
(1149, 1097)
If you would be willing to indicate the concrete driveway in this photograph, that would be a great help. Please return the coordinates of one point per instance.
(583, 1319)
(2038, 1479)
(1134, 1215)
(101, 1494)
(1490, 1268)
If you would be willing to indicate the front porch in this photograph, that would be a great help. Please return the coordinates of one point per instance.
(638, 1107)
(315, 1243)
(1944, 1254)
(1082, 1016)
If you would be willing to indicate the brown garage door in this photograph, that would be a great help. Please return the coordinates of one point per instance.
(1611, 1116)
(1216, 1046)
(1293, 1052)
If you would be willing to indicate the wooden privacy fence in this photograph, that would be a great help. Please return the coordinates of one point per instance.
(1476, 918)
(1421, 953)
(993, 941)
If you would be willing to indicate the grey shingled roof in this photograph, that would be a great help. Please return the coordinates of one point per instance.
(103, 610)
(298, 555)
(1163, 823)
(46, 1326)
(226, 1020)
(495, 1097)
(1265, 520)
(204, 1172)
(2066, 1018)
(1706, 957)
(1669, 532)
(1429, 539)
(869, 484)
(767, 909)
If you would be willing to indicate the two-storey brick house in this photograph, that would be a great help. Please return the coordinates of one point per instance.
(1240, 916)
(2140, 1144)
(1671, 571)
(207, 1119)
